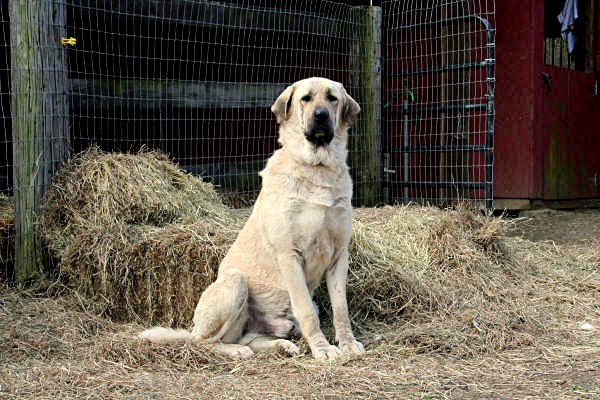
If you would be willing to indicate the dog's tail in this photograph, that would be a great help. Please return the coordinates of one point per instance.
(162, 335)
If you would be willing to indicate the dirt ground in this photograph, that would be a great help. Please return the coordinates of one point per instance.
(52, 348)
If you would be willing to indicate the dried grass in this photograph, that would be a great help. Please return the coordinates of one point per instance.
(447, 304)
(52, 348)
(7, 235)
(449, 272)
(140, 240)
(135, 235)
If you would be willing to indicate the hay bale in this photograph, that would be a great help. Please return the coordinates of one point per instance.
(449, 271)
(7, 236)
(425, 251)
(101, 189)
(136, 235)
(142, 239)
(147, 274)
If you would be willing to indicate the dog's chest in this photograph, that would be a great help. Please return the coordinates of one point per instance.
(322, 233)
(309, 212)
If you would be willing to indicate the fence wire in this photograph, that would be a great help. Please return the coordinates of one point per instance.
(438, 100)
(196, 79)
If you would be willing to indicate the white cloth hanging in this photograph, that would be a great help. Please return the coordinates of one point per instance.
(567, 18)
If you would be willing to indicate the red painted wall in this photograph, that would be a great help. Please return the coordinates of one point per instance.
(569, 135)
(547, 135)
(515, 100)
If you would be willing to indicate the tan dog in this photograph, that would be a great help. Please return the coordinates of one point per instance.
(299, 230)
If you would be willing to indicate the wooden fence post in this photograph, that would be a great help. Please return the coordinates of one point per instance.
(365, 157)
(40, 117)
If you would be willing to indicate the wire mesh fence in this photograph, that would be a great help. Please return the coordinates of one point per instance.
(196, 79)
(439, 100)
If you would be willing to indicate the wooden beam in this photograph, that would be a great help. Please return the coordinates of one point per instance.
(40, 118)
(215, 14)
(365, 86)
(106, 94)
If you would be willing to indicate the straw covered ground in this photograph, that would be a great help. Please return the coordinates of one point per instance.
(450, 304)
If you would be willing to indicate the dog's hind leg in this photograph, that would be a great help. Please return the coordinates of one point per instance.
(269, 344)
(221, 315)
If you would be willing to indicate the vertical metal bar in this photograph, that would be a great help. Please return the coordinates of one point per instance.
(385, 189)
(406, 152)
(489, 136)
(385, 186)
(489, 157)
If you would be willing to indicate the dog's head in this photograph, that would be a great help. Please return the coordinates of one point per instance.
(315, 113)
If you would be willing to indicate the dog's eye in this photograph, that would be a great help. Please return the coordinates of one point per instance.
(332, 98)
(306, 98)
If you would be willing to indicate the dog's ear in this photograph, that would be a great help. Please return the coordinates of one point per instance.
(281, 107)
(350, 109)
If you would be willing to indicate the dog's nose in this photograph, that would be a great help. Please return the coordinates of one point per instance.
(321, 115)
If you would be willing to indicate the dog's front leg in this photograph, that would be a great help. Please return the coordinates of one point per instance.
(336, 286)
(302, 307)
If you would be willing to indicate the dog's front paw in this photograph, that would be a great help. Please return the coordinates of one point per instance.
(326, 352)
(351, 346)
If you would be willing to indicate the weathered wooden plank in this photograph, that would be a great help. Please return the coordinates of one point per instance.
(212, 13)
(365, 84)
(107, 94)
(40, 119)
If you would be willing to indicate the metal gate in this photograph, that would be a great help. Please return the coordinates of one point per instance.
(438, 101)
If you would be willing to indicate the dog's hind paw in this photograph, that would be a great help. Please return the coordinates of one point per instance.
(288, 347)
(233, 350)
(243, 352)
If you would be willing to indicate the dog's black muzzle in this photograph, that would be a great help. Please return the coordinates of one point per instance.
(320, 130)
